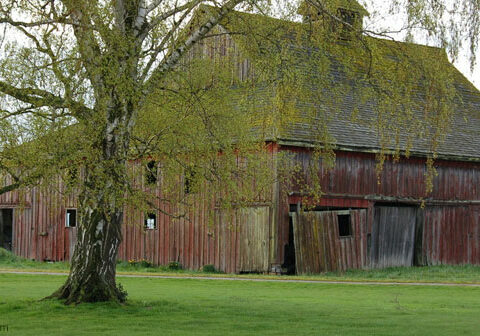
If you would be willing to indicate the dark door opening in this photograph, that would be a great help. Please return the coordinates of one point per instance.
(6, 228)
(289, 251)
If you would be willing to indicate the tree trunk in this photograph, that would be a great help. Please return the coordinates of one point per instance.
(92, 272)
(101, 204)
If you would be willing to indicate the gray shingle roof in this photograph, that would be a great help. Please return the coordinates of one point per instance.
(353, 122)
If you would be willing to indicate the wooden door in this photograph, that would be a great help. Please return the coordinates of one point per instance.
(254, 238)
(321, 244)
(393, 236)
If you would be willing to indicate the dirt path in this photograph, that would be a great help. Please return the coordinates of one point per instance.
(367, 283)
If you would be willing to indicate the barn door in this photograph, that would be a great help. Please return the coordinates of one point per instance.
(6, 228)
(329, 240)
(254, 238)
(393, 236)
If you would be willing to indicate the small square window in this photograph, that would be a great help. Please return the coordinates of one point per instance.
(150, 221)
(71, 218)
(344, 226)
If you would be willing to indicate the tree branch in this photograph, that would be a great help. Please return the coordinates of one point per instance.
(41, 98)
(172, 59)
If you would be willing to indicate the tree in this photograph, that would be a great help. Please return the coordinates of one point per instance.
(102, 72)
(86, 67)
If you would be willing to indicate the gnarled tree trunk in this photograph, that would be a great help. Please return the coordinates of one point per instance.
(101, 204)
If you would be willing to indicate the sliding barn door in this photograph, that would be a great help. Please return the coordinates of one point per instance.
(393, 236)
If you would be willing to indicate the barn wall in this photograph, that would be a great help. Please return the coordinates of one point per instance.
(206, 235)
(451, 235)
(39, 225)
(194, 232)
(233, 240)
(355, 174)
(353, 183)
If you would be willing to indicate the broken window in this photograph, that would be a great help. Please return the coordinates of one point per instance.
(150, 221)
(151, 173)
(71, 218)
(344, 225)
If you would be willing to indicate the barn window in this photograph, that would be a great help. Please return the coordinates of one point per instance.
(189, 180)
(151, 173)
(150, 221)
(344, 225)
(71, 218)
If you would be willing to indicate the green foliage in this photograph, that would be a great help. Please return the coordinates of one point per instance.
(7, 256)
(142, 263)
(209, 269)
(174, 265)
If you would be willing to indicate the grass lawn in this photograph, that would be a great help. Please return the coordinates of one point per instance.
(206, 307)
(461, 274)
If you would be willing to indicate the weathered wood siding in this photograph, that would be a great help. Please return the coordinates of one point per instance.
(393, 236)
(353, 183)
(39, 222)
(355, 175)
(233, 240)
(319, 247)
(451, 235)
(194, 232)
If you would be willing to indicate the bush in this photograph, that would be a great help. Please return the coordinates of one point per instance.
(7, 256)
(209, 269)
(142, 263)
(174, 265)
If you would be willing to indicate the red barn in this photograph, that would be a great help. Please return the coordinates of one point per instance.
(365, 217)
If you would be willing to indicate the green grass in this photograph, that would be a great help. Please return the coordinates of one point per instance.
(205, 307)
(460, 274)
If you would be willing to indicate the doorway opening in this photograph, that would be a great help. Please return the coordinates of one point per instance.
(6, 229)
(289, 251)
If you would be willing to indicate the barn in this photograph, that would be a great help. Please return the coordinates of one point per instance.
(365, 217)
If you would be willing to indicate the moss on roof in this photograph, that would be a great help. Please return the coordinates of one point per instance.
(366, 92)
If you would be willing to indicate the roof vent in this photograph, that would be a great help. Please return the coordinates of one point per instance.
(339, 16)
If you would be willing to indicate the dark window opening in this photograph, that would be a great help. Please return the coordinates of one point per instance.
(293, 207)
(189, 181)
(6, 228)
(344, 226)
(151, 173)
(150, 221)
(71, 176)
(71, 218)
